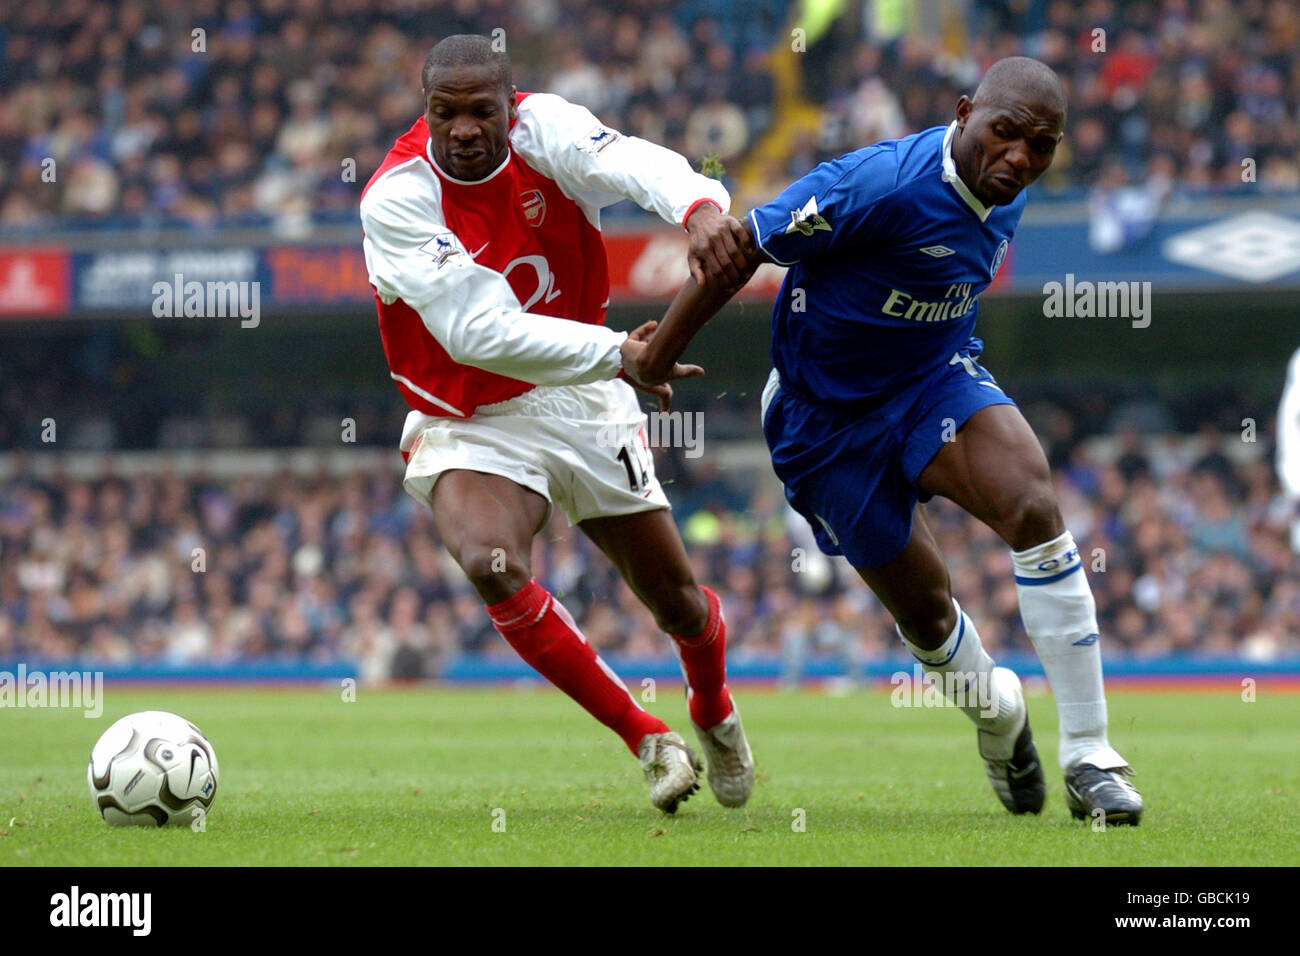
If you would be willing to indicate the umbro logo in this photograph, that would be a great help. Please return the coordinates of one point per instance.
(1088, 641)
(1253, 247)
(938, 251)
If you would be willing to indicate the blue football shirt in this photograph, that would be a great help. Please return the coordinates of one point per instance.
(888, 252)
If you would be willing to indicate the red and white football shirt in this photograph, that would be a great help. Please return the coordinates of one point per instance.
(488, 288)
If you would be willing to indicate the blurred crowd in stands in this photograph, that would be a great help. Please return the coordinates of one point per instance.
(254, 111)
(1185, 539)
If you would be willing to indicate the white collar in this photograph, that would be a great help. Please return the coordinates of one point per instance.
(950, 176)
(428, 150)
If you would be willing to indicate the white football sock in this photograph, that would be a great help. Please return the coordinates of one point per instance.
(990, 707)
(1060, 615)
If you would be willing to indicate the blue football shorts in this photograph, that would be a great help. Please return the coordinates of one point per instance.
(853, 474)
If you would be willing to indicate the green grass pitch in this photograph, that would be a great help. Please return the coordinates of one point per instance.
(420, 776)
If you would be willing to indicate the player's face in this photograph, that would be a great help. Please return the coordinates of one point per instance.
(469, 114)
(1004, 146)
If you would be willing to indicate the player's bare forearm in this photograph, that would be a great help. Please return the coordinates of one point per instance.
(693, 306)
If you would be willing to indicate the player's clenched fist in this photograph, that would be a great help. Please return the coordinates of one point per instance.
(721, 253)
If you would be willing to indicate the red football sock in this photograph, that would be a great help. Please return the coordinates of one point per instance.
(704, 659)
(544, 634)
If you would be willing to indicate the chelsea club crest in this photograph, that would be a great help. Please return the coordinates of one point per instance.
(998, 256)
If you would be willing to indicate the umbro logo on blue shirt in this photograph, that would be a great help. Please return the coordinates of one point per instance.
(938, 251)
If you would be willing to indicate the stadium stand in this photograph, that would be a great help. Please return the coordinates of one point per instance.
(253, 130)
(1188, 549)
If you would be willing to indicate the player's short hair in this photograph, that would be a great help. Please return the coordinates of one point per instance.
(1024, 74)
(465, 49)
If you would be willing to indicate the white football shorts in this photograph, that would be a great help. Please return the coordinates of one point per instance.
(582, 447)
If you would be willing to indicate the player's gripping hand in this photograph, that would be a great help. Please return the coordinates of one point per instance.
(721, 253)
(633, 351)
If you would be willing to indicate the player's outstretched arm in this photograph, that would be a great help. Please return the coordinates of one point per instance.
(694, 305)
(469, 309)
(598, 166)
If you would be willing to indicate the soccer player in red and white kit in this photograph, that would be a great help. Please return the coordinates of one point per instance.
(483, 245)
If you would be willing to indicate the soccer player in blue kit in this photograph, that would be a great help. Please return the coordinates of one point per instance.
(877, 403)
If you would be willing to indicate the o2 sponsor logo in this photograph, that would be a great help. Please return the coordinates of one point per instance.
(545, 290)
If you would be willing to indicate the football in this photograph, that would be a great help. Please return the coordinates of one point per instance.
(152, 769)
